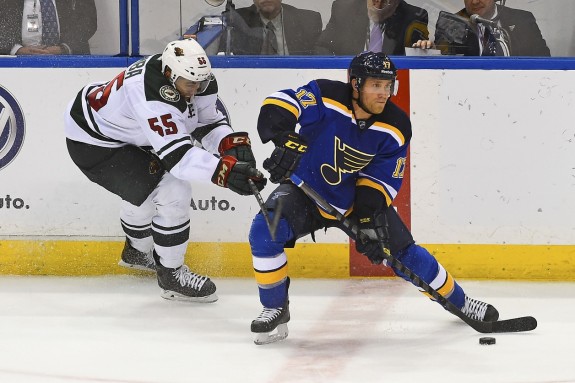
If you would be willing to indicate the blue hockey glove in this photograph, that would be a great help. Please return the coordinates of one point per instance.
(367, 242)
(285, 158)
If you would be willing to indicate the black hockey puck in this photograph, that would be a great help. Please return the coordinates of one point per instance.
(486, 340)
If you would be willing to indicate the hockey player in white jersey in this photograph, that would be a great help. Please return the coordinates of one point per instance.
(143, 136)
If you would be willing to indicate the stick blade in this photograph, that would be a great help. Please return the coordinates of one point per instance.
(515, 325)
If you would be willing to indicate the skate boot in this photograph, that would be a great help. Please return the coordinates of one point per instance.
(181, 284)
(270, 320)
(478, 310)
(135, 259)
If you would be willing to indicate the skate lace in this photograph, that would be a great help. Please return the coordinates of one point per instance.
(188, 278)
(268, 315)
(474, 309)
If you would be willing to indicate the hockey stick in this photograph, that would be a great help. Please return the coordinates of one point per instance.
(510, 325)
(272, 225)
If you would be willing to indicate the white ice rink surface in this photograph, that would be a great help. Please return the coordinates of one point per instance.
(118, 329)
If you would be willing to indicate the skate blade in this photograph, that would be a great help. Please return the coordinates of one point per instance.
(271, 337)
(136, 267)
(174, 296)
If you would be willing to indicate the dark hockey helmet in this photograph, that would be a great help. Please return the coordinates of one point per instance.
(371, 64)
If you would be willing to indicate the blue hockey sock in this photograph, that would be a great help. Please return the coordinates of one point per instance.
(423, 264)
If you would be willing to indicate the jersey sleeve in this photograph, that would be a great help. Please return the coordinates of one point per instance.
(282, 111)
(212, 125)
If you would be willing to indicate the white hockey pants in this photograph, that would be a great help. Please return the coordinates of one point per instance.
(162, 222)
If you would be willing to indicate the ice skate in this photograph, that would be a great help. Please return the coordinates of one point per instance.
(478, 310)
(271, 325)
(181, 284)
(135, 259)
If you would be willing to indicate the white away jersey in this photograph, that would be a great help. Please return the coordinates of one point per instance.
(140, 107)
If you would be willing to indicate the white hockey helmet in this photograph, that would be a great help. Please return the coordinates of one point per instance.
(187, 59)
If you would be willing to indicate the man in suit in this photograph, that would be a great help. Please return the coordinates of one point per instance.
(24, 26)
(514, 32)
(386, 26)
(269, 27)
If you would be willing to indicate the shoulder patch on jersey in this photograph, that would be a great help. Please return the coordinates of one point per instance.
(337, 91)
(168, 93)
(158, 87)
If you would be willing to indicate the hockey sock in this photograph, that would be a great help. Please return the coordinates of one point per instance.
(423, 264)
(270, 260)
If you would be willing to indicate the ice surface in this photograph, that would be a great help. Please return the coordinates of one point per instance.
(118, 329)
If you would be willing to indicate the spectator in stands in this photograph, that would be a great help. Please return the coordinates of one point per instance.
(386, 26)
(269, 27)
(513, 32)
(46, 27)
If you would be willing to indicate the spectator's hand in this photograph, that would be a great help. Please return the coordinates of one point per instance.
(32, 50)
(56, 50)
(424, 44)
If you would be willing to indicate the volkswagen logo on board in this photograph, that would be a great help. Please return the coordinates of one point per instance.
(12, 128)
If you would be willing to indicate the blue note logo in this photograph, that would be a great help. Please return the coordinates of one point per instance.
(12, 128)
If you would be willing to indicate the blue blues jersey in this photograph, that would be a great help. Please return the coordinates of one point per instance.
(343, 153)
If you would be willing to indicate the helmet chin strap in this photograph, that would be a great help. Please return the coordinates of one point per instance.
(361, 104)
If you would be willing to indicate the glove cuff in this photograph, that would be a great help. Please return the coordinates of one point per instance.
(222, 172)
(291, 141)
(232, 140)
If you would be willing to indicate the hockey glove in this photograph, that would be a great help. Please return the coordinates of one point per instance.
(367, 242)
(233, 174)
(238, 145)
(286, 156)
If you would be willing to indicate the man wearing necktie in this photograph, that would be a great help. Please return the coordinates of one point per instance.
(50, 31)
(516, 27)
(376, 37)
(270, 45)
(45, 27)
(269, 27)
(386, 26)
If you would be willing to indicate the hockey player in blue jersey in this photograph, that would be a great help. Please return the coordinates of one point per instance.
(351, 148)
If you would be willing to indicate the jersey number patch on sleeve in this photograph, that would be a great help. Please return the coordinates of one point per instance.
(399, 167)
(98, 98)
(306, 98)
(164, 125)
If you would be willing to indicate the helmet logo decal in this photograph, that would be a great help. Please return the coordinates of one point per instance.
(168, 93)
(178, 51)
(346, 160)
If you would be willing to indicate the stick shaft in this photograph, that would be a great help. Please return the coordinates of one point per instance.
(271, 225)
(510, 325)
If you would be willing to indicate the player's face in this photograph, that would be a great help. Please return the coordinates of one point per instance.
(483, 8)
(375, 93)
(187, 88)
